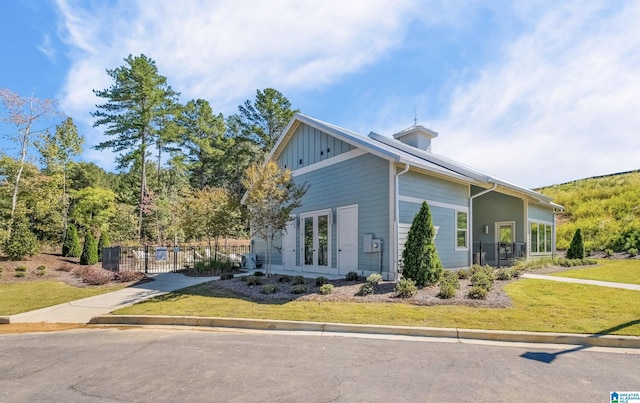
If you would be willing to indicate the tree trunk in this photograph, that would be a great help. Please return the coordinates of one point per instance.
(143, 184)
(23, 157)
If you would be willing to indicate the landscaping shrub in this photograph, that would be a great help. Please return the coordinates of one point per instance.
(326, 289)
(320, 281)
(576, 249)
(608, 252)
(632, 252)
(226, 276)
(420, 257)
(20, 274)
(574, 262)
(244, 279)
(463, 274)
(21, 242)
(41, 267)
(67, 267)
(89, 250)
(21, 268)
(482, 276)
(129, 275)
(297, 280)
(253, 280)
(269, 289)
(352, 276)
(258, 274)
(94, 276)
(477, 292)
(516, 272)
(504, 274)
(71, 245)
(449, 284)
(298, 289)
(103, 242)
(284, 279)
(628, 240)
(406, 288)
(366, 289)
(1, 269)
(374, 279)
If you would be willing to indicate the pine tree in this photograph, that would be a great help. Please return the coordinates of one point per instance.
(71, 245)
(420, 258)
(89, 250)
(22, 242)
(103, 242)
(576, 248)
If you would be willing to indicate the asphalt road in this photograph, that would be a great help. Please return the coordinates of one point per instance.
(168, 365)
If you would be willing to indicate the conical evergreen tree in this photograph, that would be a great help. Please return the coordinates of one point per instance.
(576, 248)
(22, 242)
(89, 250)
(420, 259)
(103, 242)
(71, 245)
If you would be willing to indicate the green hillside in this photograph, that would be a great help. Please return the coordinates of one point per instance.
(606, 209)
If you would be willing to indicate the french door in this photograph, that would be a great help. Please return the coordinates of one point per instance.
(316, 243)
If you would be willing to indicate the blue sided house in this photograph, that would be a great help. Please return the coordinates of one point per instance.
(364, 192)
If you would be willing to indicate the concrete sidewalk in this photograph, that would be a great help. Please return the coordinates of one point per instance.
(634, 287)
(81, 311)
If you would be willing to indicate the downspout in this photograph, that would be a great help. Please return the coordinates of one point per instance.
(396, 218)
(470, 224)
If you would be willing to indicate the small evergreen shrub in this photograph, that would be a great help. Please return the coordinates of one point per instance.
(449, 284)
(226, 276)
(421, 262)
(516, 272)
(366, 289)
(352, 276)
(284, 279)
(482, 276)
(576, 248)
(1, 269)
(374, 279)
(446, 291)
(244, 279)
(258, 274)
(406, 288)
(22, 242)
(298, 280)
(269, 289)
(21, 269)
(320, 281)
(20, 274)
(298, 289)
(463, 274)
(71, 245)
(253, 280)
(90, 250)
(504, 274)
(632, 252)
(608, 252)
(103, 242)
(477, 292)
(41, 267)
(326, 289)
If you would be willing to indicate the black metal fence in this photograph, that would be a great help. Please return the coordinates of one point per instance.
(161, 259)
(498, 254)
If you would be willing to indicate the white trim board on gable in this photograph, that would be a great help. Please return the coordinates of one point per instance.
(328, 162)
(416, 200)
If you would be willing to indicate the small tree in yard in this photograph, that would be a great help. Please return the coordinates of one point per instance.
(420, 258)
(22, 242)
(103, 242)
(576, 249)
(71, 245)
(271, 196)
(89, 250)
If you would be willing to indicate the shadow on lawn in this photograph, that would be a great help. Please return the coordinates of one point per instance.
(548, 358)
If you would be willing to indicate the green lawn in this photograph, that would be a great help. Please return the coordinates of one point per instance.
(539, 305)
(618, 271)
(27, 296)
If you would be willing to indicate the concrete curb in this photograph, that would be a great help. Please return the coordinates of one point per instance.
(459, 334)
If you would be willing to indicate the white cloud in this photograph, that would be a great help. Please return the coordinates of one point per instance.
(224, 50)
(47, 48)
(561, 105)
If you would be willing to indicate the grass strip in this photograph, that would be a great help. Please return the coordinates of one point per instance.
(538, 305)
(617, 271)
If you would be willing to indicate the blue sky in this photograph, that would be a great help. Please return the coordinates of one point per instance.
(536, 92)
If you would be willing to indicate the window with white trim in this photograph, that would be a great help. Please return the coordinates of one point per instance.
(462, 230)
(541, 235)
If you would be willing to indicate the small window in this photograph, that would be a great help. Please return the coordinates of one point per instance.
(461, 230)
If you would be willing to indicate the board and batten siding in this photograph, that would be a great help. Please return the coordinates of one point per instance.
(497, 207)
(310, 145)
(444, 199)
